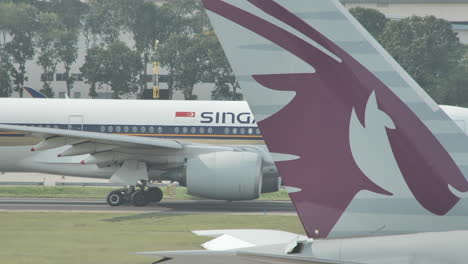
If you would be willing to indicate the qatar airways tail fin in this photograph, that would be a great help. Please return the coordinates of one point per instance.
(354, 137)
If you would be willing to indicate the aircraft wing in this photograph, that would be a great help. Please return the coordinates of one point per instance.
(251, 245)
(84, 136)
(132, 154)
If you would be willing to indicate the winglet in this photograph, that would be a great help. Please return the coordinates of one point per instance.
(33, 93)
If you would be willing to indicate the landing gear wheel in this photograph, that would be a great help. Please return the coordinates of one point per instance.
(115, 198)
(154, 195)
(139, 199)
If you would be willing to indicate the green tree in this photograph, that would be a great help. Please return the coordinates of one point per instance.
(148, 23)
(91, 69)
(70, 14)
(116, 65)
(183, 53)
(371, 19)
(188, 61)
(47, 40)
(188, 16)
(167, 54)
(5, 69)
(7, 11)
(21, 46)
(226, 86)
(5, 61)
(454, 89)
(107, 19)
(426, 47)
(67, 50)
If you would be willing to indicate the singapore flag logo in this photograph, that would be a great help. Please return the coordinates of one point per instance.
(185, 114)
(184, 117)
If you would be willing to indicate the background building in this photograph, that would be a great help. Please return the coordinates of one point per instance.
(81, 88)
(455, 11)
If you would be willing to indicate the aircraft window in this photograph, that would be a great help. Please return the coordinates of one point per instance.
(257, 131)
(210, 130)
(160, 130)
(202, 130)
(250, 131)
(176, 130)
(56, 126)
(117, 129)
(193, 130)
(234, 130)
(242, 131)
(126, 129)
(151, 130)
(142, 129)
(226, 131)
(185, 130)
(103, 129)
(48, 126)
(110, 129)
(134, 129)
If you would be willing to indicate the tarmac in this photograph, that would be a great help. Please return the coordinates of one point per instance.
(166, 206)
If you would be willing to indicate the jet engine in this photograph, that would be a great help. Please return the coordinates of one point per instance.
(225, 175)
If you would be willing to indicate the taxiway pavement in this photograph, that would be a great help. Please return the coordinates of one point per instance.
(170, 206)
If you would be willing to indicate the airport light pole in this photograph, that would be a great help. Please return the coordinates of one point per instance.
(156, 70)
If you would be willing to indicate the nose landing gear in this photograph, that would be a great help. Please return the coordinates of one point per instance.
(139, 195)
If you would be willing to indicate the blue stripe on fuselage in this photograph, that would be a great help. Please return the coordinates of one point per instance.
(181, 131)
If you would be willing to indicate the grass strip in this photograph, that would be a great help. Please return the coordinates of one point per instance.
(96, 238)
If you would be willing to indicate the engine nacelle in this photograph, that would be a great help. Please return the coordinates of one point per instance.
(225, 175)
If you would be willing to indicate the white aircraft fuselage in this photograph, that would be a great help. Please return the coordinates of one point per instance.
(213, 122)
(206, 122)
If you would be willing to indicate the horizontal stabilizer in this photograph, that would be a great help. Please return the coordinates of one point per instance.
(240, 256)
(230, 239)
(251, 244)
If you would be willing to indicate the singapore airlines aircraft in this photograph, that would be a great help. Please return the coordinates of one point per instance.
(376, 170)
(213, 148)
(171, 140)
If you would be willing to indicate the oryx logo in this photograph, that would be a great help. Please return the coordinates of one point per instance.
(337, 113)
